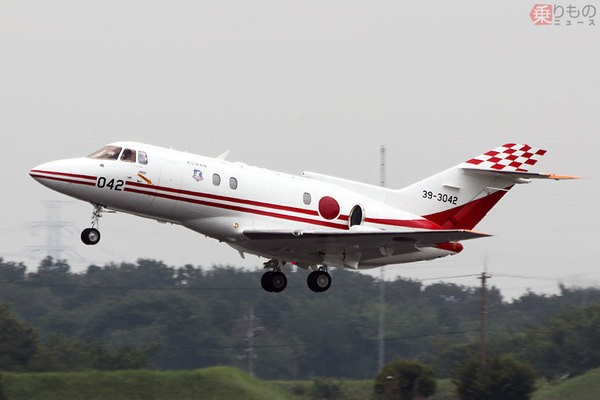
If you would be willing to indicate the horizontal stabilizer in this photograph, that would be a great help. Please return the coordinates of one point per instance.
(517, 174)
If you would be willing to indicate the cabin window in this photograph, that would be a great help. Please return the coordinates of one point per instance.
(216, 179)
(306, 198)
(142, 157)
(356, 216)
(107, 153)
(128, 155)
(233, 183)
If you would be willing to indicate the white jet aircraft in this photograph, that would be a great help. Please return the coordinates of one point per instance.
(312, 221)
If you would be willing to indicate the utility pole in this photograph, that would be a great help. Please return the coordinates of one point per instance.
(382, 167)
(251, 330)
(381, 331)
(483, 319)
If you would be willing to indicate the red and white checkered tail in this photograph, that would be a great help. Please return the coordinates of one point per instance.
(459, 197)
(508, 157)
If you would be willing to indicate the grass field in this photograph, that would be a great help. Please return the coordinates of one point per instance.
(584, 387)
(225, 383)
(348, 390)
(208, 384)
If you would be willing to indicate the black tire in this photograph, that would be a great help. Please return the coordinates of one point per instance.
(278, 282)
(266, 281)
(318, 281)
(90, 236)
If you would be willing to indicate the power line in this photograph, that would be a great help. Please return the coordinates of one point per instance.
(449, 277)
(463, 332)
(537, 278)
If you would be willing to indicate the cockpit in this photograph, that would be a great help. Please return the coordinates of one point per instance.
(118, 153)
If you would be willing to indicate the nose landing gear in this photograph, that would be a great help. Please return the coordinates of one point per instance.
(91, 236)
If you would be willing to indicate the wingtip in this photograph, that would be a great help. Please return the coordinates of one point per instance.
(562, 177)
(479, 234)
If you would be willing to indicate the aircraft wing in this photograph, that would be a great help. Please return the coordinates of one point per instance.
(315, 246)
(355, 237)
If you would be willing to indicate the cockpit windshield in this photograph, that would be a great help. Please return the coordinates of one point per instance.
(127, 155)
(107, 153)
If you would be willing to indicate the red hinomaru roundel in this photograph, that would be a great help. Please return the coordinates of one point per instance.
(329, 207)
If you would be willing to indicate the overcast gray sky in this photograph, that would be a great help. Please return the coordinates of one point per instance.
(307, 85)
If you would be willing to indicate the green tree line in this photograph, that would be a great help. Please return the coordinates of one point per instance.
(148, 314)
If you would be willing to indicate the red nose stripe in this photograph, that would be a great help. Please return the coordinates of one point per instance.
(36, 173)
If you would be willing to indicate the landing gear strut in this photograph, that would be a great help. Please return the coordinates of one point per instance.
(91, 236)
(275, 280)
(319, 281)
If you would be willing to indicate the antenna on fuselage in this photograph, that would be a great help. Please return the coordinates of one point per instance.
(223, 155)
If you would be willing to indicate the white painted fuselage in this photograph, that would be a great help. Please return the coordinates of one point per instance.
(311, 220)
(222, 199)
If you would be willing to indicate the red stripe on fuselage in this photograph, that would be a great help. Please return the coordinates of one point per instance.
(56, 178)
(419, 224)
(226, 198)
(240, 209)
(37, 171)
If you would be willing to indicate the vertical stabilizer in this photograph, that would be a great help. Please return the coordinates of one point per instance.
(459, 197)
(508, 157)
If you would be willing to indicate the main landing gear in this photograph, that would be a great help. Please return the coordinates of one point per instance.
(275, 280)
(319, 281)
(91, 236)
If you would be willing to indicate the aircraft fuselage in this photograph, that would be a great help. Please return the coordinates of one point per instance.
(222, 199)
(312, 220)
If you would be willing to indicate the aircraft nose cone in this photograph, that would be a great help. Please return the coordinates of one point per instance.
(55, 174)
(48, 175)
(38, 172)
(61, 174)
